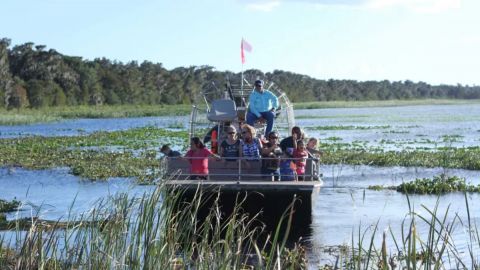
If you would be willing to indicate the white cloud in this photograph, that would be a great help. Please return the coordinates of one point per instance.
(420, 6)
(265, 6)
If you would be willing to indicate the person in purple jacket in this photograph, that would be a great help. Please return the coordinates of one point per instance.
(263, 104)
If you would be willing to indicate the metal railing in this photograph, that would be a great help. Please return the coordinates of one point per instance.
(244, 168)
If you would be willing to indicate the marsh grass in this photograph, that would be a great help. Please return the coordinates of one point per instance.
(50, 114)
(381, 103)
(155, 231)
(444, 157)
(424, 242)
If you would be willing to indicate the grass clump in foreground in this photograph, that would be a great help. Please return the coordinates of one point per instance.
(425, 241)
(155, 231)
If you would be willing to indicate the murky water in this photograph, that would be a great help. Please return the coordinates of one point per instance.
(344, 202)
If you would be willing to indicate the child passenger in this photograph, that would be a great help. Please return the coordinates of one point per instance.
(312, 148)
(287, 172)
(300, 155)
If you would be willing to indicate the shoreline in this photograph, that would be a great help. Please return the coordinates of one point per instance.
(52, 114)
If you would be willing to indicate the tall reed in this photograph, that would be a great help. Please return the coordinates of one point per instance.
(158, 230)
(425, 242)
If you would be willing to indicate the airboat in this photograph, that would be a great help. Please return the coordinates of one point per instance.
(233, 179)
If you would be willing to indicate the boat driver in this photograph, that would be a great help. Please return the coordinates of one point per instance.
(263, 104)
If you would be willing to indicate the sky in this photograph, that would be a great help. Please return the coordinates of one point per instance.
(434, 41)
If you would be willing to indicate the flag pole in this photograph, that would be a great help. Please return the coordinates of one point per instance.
(241, 83)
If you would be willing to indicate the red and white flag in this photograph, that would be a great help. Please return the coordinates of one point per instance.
(244, 46)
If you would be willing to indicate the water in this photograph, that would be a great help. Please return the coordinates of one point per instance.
(412, 126)
(87, 126)
(55, 194)
(344, 202)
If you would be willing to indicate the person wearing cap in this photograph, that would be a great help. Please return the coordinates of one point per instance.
(230, 147)
(169, 152)
(263, 104)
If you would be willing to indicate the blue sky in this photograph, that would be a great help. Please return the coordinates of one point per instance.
(435, 41)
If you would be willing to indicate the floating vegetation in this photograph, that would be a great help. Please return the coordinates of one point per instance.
(176, 125)
(437, 185)
(412, 126)
(397, 131)
(74, 152)
(8, 206)
(458, 158)
(347, 127)
(381, 187)
(452, 138)
(333, 139)
(347, 116)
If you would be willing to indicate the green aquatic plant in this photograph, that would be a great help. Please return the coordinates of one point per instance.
(8, 206)
(340, 127)
(459, 158)
(437, 185)
(381, 187)
(129, 153)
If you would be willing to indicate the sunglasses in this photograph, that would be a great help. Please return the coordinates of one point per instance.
(244, 132)
(231, 133)
(274, 138)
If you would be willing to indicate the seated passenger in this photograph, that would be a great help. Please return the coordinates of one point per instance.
(300, 156)
(312, 148)
(287, 166)
(169, 152)
(291, 141)
(250, 145)
(263, 104)
(230, 148)
(271, 153)
(198, 157)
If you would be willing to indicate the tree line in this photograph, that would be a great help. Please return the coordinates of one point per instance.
(32, 76)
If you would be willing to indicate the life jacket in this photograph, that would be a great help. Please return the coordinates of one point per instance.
(214, 142)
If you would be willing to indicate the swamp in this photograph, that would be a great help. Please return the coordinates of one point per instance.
(400, 189)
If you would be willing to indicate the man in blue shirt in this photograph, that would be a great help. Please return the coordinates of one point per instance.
(263, 104)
